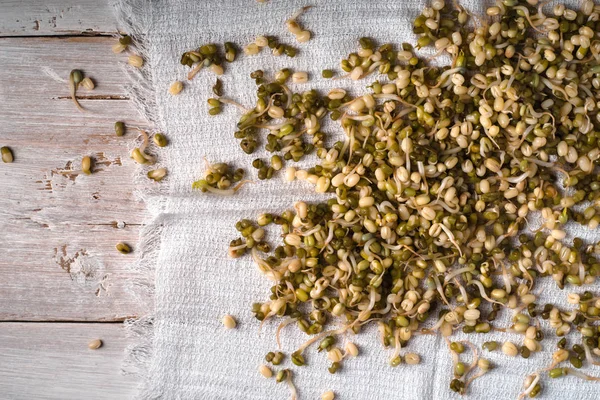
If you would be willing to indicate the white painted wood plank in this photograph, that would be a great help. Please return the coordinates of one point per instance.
(60, 226)
(52, 361)
(45, 182)
(68, 273)
(55, 17)
(37, 69)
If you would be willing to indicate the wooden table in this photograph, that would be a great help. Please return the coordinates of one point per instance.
(62, 283)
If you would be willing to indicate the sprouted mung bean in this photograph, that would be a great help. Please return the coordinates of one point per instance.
(119, 128)
(86, 165)
(118, 48)
(329, 395)
(135, 61)
(412, 359)
(219, 178)
(217, 69)
(299, 77)
(214, 106)
(265, 371)
(125, 40)
(274, 358)
(261, 41)
(432, 186)
(251, 49)
(176, 88)
(218, 88)
(95, 344)
(123, 43)
(229, 322)
(88, 83)
(286, 375)
(7, 155)
(75, 78)
(123, 248)
(230, 51)
(157, 175)
(208, 56)
(490, 346)
(509, 349)
(160, 140)
(294, 27)
(351, 349)
(272, 43)
(139, 153)
(327, 73)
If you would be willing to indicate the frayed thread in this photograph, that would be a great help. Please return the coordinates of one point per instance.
(148, 248)
(138, 354)
(134, 18)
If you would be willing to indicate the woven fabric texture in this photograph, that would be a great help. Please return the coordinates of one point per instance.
(191, 355)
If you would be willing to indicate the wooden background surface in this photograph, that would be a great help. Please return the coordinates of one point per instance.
(62, 283)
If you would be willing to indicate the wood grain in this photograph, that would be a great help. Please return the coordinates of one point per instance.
(71, 274)
(60, 226)
(56, 17)
(52, 361)
(35, 69)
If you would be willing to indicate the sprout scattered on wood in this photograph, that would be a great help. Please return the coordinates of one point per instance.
(95, 344)
(119, 128)
(7, 155)
(88, 83)
(123, 43)
(123, 248)
(75, 78)
(86, 165)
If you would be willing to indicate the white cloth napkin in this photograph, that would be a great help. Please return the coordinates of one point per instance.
(186, 353)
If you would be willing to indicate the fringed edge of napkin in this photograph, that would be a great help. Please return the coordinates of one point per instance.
(134, 18)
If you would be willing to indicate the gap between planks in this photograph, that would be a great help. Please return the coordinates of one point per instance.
(93, 97)
(74, 34)
(116, 321)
